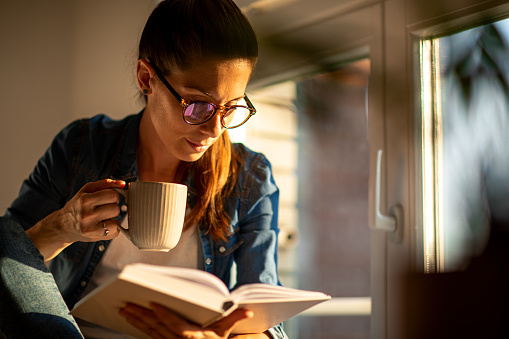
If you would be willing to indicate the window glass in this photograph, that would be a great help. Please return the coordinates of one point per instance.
(470, 135)
(315, 133)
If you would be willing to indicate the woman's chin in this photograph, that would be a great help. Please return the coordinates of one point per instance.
(192, 157)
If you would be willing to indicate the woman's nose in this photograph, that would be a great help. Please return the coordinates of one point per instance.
(213, 127)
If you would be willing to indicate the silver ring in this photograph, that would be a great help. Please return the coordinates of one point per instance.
(106, 231)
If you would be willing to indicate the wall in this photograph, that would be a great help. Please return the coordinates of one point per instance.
(61, 60)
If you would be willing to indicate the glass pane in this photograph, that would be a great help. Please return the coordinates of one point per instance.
(472, 134)
(315, 133)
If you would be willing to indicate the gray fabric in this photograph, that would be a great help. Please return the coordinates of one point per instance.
(31, 305)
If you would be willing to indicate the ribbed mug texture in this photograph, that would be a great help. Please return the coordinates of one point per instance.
(156, 214)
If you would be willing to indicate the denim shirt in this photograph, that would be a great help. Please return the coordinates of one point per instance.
(98, 148)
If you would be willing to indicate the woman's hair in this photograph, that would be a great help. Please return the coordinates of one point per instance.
(178, 33)
(215, 176)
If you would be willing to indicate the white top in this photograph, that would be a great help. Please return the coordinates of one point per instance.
(121, 251)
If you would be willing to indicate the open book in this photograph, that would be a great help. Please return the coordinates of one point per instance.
(196, 295)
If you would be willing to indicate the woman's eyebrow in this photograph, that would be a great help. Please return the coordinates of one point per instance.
(237, 99)
(210, 96)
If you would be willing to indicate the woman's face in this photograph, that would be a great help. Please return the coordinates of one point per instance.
(218, 82)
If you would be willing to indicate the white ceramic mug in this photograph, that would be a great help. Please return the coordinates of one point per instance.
(155, 212)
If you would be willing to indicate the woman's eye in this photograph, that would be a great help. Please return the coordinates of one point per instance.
(194, 99)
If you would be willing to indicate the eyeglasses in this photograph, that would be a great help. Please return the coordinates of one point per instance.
(199, 112)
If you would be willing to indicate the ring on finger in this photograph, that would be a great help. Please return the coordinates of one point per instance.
(106, 231)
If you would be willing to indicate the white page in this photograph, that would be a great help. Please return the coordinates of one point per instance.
(265, 291)
(187, 274)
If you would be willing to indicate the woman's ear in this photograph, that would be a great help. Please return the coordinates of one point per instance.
(144, 73)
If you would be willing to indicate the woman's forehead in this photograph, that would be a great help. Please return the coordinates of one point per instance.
(213, 67)
(215, 79)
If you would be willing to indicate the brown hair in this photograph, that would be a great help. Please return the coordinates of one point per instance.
(215, 174)
(180, 31)
(177, 33)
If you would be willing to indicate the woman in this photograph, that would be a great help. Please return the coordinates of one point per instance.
(195, 60)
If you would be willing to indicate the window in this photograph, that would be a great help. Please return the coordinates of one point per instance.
(465, 81)
(314, 131)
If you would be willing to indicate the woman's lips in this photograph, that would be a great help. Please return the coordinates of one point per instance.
(197, 147)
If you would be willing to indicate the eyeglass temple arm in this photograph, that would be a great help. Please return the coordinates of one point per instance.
(166, 83)
(250, 104)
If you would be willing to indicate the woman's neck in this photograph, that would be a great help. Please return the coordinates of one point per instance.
(153, 160)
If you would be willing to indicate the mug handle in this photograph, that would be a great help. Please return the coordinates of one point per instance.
(124, 193)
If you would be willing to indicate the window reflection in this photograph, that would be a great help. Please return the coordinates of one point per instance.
(474, 77)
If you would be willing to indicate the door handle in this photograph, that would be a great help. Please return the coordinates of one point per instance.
(382, 222)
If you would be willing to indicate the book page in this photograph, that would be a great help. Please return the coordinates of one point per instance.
(263, 292)
(272, 305)
(270, 313)
(187, 274)
(194, 291)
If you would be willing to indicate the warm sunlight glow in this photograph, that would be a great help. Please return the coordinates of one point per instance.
(431, 155)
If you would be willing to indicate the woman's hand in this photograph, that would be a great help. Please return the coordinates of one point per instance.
(81, 219)
(161, 323)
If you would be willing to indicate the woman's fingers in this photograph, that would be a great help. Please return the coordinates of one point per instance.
(93, 220)
(90, 201)
(84, 214)
(146, 321)
(142, 326)
(97, 201)
(106, 230)
(98, 205)
(173, 321)
(220, 329)
(224, 326)
(159, 322)
(96, 186)
(112, 228)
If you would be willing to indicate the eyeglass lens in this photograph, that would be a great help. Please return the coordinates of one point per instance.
(199, 112)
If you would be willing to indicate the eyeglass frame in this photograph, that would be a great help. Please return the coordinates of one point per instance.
(186, 103)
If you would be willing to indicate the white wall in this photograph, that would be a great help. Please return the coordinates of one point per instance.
(61, 60)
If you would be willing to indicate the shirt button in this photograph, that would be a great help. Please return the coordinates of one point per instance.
(222, 249)
(83, 283)
(101, 248)
(208, 261)
(123, 208)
